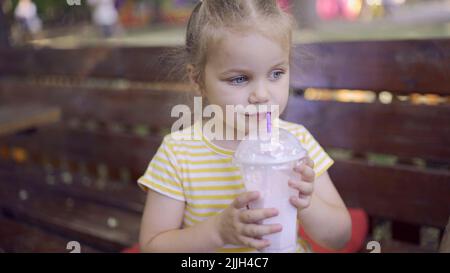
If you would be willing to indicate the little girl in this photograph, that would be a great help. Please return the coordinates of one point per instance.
(238, 53)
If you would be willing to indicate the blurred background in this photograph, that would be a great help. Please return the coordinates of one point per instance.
(72, 23)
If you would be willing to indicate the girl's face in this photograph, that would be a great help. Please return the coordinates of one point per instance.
(247, 69)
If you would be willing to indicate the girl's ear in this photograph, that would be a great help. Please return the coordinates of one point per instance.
(194, 78)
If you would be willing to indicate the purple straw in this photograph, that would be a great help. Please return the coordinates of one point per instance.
(269, 122)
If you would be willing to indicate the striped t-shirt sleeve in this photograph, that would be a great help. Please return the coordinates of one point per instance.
(162, 174)
(322, 161)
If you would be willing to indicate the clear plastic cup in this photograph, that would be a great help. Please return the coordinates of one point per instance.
(266, 166)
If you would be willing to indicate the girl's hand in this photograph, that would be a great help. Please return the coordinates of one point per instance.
(305, 186)
(240, 226)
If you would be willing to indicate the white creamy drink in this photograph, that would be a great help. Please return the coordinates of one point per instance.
(266, 166)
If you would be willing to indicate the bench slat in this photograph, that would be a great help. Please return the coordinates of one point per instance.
(132, 63)
(399, 129)
(18, 237)
(126, 107)
(106, 228)
(116, 151)
(394, 246)
(402, 66)
(127, 196)
(16, 119)
(401, 193)
(421, 66)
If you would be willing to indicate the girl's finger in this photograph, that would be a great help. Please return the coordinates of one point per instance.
(300, 203)
(256, 215)
(309, 162)
(308, 175)
(255, 243)
(242, 200)
(306, 172)
(254, 231)
(305, 188)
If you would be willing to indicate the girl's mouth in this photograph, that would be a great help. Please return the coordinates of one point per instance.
(256, 113)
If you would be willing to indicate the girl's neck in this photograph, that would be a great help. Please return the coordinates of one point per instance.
(224, 143)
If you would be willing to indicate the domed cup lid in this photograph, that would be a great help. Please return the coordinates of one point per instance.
(280, 147)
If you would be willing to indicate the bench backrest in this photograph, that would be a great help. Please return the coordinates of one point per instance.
(392, 156)
(406, 132)
(393, 150)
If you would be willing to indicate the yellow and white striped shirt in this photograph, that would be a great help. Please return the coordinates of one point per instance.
(202, 175)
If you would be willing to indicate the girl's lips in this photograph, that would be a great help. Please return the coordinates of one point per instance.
(260, 110)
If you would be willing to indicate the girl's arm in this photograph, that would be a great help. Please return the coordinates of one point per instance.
(327, 220)
(161, 228)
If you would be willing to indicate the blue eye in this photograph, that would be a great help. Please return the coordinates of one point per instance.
(277, 74)
(239, 80)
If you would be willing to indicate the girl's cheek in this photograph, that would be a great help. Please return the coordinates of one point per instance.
(233, 98)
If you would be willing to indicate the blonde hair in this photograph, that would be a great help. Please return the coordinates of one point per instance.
(211, 17)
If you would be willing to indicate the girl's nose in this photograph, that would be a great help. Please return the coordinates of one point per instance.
(260, 95)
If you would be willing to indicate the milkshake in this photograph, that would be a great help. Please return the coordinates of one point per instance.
(266, 165)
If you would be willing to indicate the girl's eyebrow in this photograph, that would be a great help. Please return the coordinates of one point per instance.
(242, 70)
(281, 63)
(236, 70)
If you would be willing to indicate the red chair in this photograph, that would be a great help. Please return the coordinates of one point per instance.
(360, 227)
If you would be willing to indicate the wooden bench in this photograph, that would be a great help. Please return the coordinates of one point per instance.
(76, 179)
(393, 154)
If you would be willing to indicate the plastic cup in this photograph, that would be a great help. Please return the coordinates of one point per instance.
(266, 166)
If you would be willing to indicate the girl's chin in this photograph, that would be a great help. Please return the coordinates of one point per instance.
(247, 123)
(259, 123)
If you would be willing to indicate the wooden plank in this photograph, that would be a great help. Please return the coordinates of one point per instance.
(445, 243)
(122, 106)
(19, 237)
(14, 119)
(394, 246)
(126, 196)
(400, 193)
(399, 129)
(105, 228)
(4, 30)
(421, 66)
(115, 150)
(133, 63)
(399, 66)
